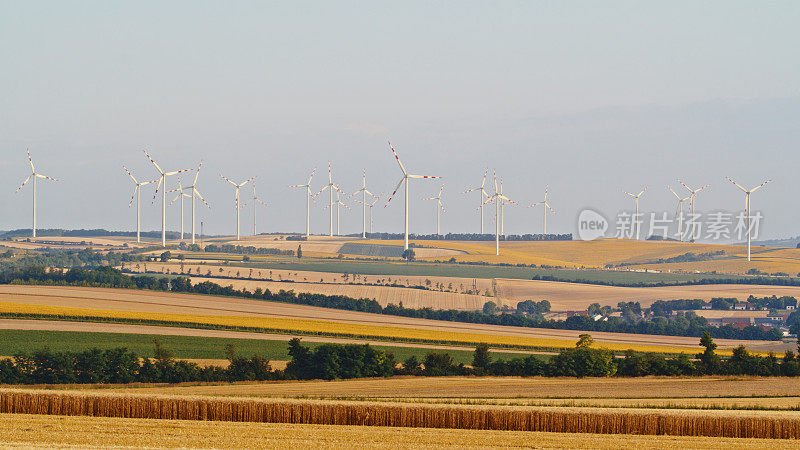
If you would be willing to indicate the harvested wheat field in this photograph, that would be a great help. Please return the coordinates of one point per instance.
(26, 430)
(514, 388)
(409, 297)
(736, 424)
(561, 295)
(188, 308)
(577, 297)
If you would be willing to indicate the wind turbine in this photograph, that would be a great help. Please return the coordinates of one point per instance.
(439, 208)
(33, 175)
(483, 195)
(196, 193)
(255, 201)
(331, 186)
(238, 207)
(180, 195)
(502, 211)
(679, 211)
(497, 198)
(747, 207)
(405, 180)
(309, 196)
(137, 194)
(693, 193)
(636, 202)
(338, 203)
(545, 207)
(163, 180)
(364, 192)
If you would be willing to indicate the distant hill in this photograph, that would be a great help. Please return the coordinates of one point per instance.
(788, 242)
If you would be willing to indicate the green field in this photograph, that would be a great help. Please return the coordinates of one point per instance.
(190, 347)
(459, 270)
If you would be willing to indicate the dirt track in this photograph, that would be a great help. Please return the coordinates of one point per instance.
(164, 302)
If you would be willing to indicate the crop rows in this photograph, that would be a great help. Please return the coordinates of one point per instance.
(563, 420)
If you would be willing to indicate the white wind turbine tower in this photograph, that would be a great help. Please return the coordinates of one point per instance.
(636, 202)
(747, 193)
(331, 186)
(439, 208)
(181, 196)
(405, 180)
(679, 211)
(163, 180)
(238, 205)
(338, 203)
(497, 198)
(693, 193)
(309, 196)
(33, 175)
(545, 206)
(371, 205)
(195, 193)
(364, 192)
(483, 195)
(137, 194)
(255, 201)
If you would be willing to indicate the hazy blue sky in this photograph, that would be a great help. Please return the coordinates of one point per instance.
(590, 97)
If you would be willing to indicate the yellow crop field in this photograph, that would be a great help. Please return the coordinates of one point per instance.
(437, 334)
(29, 430)
(735, 424)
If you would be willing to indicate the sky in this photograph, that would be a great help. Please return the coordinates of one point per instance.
(590, 98)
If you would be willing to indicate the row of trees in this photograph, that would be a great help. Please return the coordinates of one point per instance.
(343, 361)
(687, 324)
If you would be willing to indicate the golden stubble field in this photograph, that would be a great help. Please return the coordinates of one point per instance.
(562, 296)
(244, 312)
(28, 430)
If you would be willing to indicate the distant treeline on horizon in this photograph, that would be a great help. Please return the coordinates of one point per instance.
(100, 232)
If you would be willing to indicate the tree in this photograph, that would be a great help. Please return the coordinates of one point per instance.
(490, 308)
(481, 359)
(165, 256)
(709, 361)
(409, 255)
(299, 251)
(584, 341)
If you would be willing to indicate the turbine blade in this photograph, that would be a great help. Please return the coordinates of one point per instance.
(133, 196)
(154, 163)
(157, 188)
(760, 186)
(226, 179)
(423, 176)
(130, 174)
(197, 172)
(673, 192)
(38, 175)
(737, 184)
(30, 160)
(312, 175)
(197, 193)
(393, 192)
(177, 172)
(398, 160)
(23, 183)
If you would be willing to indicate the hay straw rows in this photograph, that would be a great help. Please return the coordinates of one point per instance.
(398, 415)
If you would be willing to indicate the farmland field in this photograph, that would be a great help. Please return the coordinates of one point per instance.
(562, 296)
(187, 308)
(23, 430)
(200, 344)
(508, 388)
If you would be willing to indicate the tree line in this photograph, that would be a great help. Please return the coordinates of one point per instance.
(346, 361)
